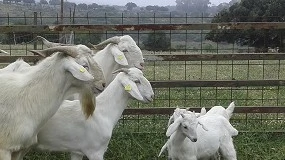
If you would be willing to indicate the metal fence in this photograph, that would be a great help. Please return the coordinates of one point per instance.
(193, 73)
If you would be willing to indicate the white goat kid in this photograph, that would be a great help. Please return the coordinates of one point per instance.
(183, 126)
(178, 111)
(35, 96)
(216, 136)
(220, 110)
(91, 137)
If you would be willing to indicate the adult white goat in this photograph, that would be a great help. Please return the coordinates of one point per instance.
(201, 143)
(112, 54)
(16, 66)
(124, 51)
(68, 130)
(28, 99)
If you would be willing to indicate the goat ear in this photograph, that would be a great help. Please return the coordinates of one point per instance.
(203, 111)
(119, 56)
(203, 126)
(78, 71)
(173, 127)
(171, 119)
(132, 89)
(230, 109)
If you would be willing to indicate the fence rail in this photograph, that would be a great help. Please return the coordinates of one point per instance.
(79, 28)
(178, 57)
(238, 109)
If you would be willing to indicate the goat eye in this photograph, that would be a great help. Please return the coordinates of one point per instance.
(185, 127)
(137, 81)
(86, 67)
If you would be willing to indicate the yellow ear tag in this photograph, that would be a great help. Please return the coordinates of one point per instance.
(120, 57)
(82, 70)
(128, 88)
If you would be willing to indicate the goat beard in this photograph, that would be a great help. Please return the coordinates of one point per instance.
(87, 102)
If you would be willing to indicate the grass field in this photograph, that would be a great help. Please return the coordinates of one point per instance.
(141, 137)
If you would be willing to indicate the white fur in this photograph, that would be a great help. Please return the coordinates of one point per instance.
(226, 112)
(178, 111)
(216, 136)
(18, 65)
(30, 98)
(68, 130)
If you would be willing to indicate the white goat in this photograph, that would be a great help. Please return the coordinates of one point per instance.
(220, 110)
(202, 143)
(35, 96)
(178, 111)
(16, 66)
(91, 137)
(114, 53)
(117, 52)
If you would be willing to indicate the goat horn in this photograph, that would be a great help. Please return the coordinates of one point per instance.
(126, 70)
(115, 39)
(69, 50)
(2, 51)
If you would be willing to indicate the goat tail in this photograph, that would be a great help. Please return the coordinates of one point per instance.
(230, 109)
(232, 131)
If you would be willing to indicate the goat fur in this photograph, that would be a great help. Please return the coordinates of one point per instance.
(91, 137)
(30, 98)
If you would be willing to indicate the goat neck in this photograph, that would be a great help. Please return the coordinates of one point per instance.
(112, 102)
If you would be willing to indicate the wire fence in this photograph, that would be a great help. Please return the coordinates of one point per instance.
(192, 72)
(185, 38)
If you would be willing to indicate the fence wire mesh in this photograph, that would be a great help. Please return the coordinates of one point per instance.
(137, 132)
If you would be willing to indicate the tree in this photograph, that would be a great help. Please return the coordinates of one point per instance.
(43, 2)
(54, 2)
(130, 6)
(93, 6)
(157, 41)
(195, 7)
(251, 11)
(68, 5)
(82, 6)
(29, 1)
(156, 8)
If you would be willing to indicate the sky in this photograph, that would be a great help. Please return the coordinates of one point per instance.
(140, 3)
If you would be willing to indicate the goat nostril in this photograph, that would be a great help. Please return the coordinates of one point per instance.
(104, 85)
(142, 64)
(194, 139)
(152, 96)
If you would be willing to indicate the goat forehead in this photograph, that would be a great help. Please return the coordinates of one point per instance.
(135, 72)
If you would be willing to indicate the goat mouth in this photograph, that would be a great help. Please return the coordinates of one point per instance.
(98, 90)
(140, 68)
(148, 100)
